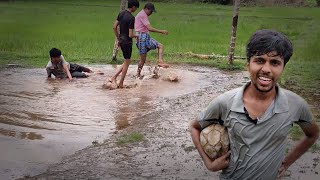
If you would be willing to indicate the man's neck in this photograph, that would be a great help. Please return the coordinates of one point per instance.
(256, 102)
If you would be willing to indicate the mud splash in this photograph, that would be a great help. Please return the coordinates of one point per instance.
(43, 120)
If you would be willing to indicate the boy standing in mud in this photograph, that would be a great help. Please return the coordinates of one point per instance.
(259, 116)
(60, 68)
(145, 42)
(125, 21)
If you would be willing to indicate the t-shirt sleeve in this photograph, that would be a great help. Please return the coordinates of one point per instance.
(63, 60)
(131, 23)
(119, 17)
(49, 65)
(212, 113)
(304, 112)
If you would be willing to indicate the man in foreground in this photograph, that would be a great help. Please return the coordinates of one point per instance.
(259, 116)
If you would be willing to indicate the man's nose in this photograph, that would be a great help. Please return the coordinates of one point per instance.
(266, 68)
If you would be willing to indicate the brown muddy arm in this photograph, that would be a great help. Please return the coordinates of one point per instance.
(213, 165)
(131, 34)
(66, 69)
(115, 29)
(152, 29)
(311, 132)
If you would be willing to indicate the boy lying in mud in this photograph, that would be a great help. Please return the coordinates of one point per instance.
(60, 68)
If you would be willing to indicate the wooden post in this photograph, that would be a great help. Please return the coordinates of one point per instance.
(116, 47)
(234, 30)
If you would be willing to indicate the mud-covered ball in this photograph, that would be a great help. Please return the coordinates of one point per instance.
(109, 85)
(169, 75)
(214, 140)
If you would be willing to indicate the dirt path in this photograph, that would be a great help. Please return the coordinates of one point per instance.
(166, 151)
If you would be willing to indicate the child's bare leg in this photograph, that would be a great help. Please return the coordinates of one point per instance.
(81, 68)
(124, 68)
(161, 62)
(85, 69)
(114, 78)
(141, 63)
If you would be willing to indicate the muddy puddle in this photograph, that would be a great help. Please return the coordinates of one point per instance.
(41, 120)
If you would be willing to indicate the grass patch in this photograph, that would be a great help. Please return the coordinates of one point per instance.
(83, 29)
(296, 132)
(130, 138)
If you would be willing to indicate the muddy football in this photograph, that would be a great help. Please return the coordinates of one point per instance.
(215, 140)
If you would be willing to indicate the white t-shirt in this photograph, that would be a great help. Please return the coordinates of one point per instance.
(50, 65)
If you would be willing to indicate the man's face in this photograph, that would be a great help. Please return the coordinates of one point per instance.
(55, 60)
(134, 8)
(265, 70)
(148, 12)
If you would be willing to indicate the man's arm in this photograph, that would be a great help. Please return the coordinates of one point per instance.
(311, 132)
(66, 69)
(152, 29)
(131, 34)
(115, 29)
(213, 165)
(49, 72)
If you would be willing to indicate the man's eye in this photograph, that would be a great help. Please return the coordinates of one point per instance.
(259, 61)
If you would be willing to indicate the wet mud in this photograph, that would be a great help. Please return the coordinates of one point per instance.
(71, 130)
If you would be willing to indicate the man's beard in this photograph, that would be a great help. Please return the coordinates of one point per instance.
(257, 88)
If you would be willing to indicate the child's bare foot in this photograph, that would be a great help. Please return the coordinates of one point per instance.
(139, 76)
(162, 64)
(114, 83)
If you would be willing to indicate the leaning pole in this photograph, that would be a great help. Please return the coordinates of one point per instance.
(234, 30)
(123, 4)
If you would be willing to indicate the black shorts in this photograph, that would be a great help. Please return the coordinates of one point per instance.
(126, 50)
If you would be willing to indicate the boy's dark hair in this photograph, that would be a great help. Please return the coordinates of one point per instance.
(132, 3)
(265, 41)
(54, 52)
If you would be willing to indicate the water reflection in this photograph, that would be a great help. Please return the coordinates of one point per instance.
(130, 109)
(21, 135)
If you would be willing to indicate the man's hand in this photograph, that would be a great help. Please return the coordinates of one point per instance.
(311, 131)
(282, 170)
(165, 32)
(219, 163)
(50, 79)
